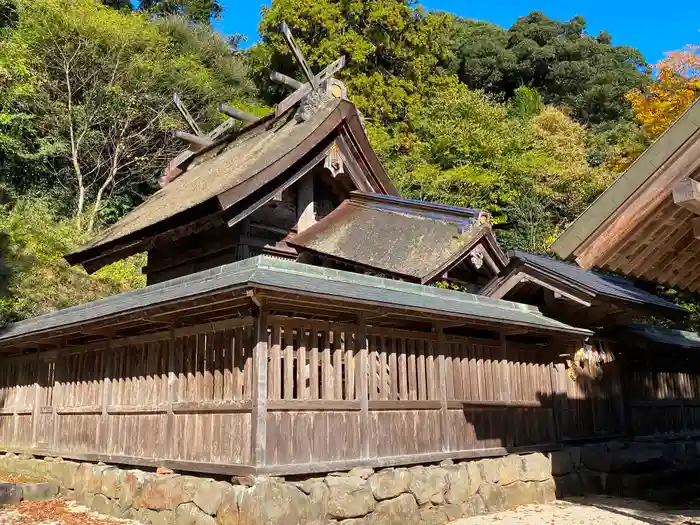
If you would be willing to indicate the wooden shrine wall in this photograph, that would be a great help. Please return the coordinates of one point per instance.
(662, 393)
(591, 408)
(127, 404)
(202, 399)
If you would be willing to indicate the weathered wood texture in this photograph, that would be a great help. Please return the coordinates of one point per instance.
(591, 407)
(185, 398)
(663, 395)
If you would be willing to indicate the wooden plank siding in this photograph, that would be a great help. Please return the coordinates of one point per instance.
(292, 395)
(662, 395)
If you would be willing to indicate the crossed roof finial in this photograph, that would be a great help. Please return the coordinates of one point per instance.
(309, 95)
(319, 82)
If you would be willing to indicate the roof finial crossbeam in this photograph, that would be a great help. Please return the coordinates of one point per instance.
(320, 82)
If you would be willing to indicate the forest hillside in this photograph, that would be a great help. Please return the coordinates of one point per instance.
(530, 123)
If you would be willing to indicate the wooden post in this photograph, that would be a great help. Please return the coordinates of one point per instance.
(56, 398)
(305, 203)
(624, 396)
(655, 394)
(619, 389)
(507, 394)
(15, 416)
(362, 388)
(103, 427)
(258, 426)
(172, 390)
(442, 387)
(559, 408)
(37, 400)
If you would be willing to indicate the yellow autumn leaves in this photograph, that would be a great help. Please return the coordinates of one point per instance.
(676, 86)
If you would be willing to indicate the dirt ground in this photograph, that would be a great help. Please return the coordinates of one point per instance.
(584, 511)
(588, 511)
(54, 512)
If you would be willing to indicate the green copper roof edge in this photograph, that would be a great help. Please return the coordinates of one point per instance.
(270, 272)
(475, 306)
(634, 177)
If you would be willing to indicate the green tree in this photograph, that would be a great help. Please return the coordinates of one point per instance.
(393, 48)
(36, 278)
(559, 59)
(200, 11)
(463, 147)
(88, 95)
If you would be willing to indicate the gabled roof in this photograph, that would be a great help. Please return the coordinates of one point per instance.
(225, 174)
(592, 281)
(276, 276)
(397, 236)
(635, 227)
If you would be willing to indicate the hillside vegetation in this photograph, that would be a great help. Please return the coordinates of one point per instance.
(530, 123)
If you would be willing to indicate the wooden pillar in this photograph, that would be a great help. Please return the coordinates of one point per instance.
(306, 209)
(258, 426)
(655, 396)
(103, 428)
(172, 390)
(362, 387)
(442, 388)
(56, 398)
(618, 393)
(19, 377)
(557, 371)
(507, 393)
(36, 410)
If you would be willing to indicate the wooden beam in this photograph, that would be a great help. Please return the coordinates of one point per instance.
(186, 115)
(138, 461)
(258, 427)
(296, 51)
(303, 170)
(108, 361)
(506, 286)
(686, 194)
(172, 393)
(363, 387)
(305, 89)
(619, 226)
(392, 461)
(173, 169)
(37, 398)
(197, 140)
(696, 227)
(289, 82)
(442, 387)
(305, 204)
(238, 114)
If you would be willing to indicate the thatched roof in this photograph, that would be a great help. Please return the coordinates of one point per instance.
(225, 174)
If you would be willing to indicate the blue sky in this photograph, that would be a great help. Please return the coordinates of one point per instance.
(651, 27)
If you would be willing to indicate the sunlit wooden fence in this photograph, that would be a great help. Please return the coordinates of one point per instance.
(288, 395)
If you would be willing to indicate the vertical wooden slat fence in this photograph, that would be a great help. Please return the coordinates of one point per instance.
(592, 408)
(292, 395)
(663, 393)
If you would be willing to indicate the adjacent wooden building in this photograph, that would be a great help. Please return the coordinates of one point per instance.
(646, 224)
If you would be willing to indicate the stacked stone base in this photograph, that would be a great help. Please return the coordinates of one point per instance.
(653, 471)
(428, 495)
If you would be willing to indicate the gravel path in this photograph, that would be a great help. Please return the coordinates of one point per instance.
(54, 512)
(588, 511)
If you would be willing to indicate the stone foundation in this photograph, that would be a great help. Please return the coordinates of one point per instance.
(428, 495)
(657, 471)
